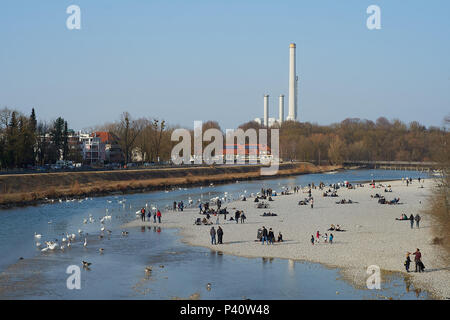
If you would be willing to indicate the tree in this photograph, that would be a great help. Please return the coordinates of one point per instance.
(127, 130)
(336, 151)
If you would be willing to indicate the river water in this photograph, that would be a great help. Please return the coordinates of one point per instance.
(179, 270)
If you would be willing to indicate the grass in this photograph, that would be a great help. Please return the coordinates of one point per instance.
(24, 189)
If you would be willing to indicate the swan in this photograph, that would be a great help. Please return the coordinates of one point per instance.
(80, 231)
(85, 242)
(52, 245)
(37, 236)
(102, 229)
(84, 221)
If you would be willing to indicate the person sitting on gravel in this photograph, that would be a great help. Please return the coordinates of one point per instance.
(332, 228)
(404, 217)
(280, 237)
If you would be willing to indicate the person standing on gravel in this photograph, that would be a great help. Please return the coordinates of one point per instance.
(212, 232)
(417, 218)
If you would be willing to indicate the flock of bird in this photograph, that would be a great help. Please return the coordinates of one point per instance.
(68, 240)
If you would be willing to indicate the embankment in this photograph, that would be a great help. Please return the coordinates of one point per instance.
(28, 189)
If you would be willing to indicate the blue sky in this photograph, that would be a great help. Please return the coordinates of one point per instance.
(214, 60)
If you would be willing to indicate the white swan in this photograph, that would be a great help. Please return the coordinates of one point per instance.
(37, 236)
(85, 242)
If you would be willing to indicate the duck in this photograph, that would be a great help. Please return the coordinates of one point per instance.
(208, 286)
(80, 231)
(124, 233)
(101, 250)
(86, 264)
(102, 229)
(148, 269)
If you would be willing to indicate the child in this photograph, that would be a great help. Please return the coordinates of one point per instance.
(312, 239)
(331, 238)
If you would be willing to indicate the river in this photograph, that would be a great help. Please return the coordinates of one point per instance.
(179, 270)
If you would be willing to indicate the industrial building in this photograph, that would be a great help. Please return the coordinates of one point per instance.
(266, 121)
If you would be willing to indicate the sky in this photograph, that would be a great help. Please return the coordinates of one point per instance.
(214, 60)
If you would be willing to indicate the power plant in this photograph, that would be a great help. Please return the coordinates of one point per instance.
(293, 96)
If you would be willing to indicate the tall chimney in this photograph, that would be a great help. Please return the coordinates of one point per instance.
(292, 84)
(281, 106)
(266, 110)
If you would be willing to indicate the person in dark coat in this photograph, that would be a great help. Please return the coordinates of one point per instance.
(407, 261)
(417, 218)
(237, 215)
(411, 219)
(212, 232)
(220, 234)
(264, 235)
(243, 217)
(271, 237)
(142, 214)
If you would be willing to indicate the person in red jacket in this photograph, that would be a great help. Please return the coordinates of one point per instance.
(418, 260)
(158, 214)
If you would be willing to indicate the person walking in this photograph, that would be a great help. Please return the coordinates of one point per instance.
(243, 217)
(271, 237)
(407, 261)
(143, 214)
(200, 207)
(174, 206)
(318, 236)
(312, 203)
(154, 217)
(212, 232)
(158, 214)
(331, 238)
(417, 218)
(149, 215)
(418, 260)
(411, 219)
(312, 239)
(236, 215)
(264, 235)
(220, 235)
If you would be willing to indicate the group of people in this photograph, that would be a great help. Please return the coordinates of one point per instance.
(268, 236)
(178, 206)
(325, 237)
(219, 234)
(411, 218)
(417, 259)
(157, 215)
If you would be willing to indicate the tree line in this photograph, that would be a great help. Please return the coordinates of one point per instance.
(24, 141)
